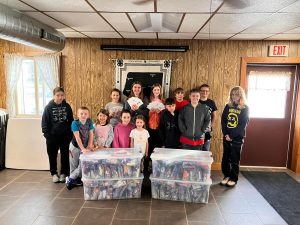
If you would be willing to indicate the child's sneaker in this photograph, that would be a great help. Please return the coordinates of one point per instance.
(224, 181)
(55, 178)
(231, 183)
(78, 181)
(70, 183)
(62, 178)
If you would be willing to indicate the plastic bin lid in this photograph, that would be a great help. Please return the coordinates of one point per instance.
(181, 154)
(112, 153)
(208, 182)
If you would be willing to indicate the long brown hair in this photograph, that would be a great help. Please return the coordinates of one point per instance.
(141, 95)
(116, 90)
(106, 113)
(152, 95)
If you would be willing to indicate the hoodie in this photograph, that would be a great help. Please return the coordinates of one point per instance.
(57, 119)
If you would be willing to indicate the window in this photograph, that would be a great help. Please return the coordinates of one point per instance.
(267, 93)
(32, 93)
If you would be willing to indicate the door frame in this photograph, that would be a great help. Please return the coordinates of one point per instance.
(294, 154)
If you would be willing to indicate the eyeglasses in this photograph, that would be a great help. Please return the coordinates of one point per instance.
(204, 91)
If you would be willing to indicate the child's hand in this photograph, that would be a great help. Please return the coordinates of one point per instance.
(85, 150)
(227, 138)
(157, 111)
(134, 107)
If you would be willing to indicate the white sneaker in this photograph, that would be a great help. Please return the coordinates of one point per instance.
(62, 178)
(55, 178)
(224, 181)
(231, 183)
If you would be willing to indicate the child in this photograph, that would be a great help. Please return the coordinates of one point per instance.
(82, 142)
(155, 107)
(235, 119)
(139, 136)
(136, 91)
(104, 132)
(168, 126)
(114, 107)
(56, 126)
(122, 131)
(193, 121)
(179, 97)
(204, 92)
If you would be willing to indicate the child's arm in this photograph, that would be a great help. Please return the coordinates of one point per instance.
(110, 137)
(116, 143)
(214, 118)
(91, 139)
(147, 147)
(161, 130)
(131, 142)
(79, 142)
(206, 122)
(181, 122)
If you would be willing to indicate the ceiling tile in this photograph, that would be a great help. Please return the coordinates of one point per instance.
(252, 6)
(213, 36)
(59, 5)
(295, 7)
(276, 23)
(123, 6)
(47, 20)
(232, 23)
(285, 37)
(250, 36)
(176, 35)
(73, 34)
(293, 31)
(15, 4)
(139, 35)
(193, 22)
(202, 6)
(102, 34)
(82, 21)
(119, 21)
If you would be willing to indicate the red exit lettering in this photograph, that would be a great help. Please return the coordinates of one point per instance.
(278, 50)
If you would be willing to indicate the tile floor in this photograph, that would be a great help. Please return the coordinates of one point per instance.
(30, 198)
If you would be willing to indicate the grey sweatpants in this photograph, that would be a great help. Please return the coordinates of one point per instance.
(75, 167)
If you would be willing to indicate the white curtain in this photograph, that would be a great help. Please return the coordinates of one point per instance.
(48, 69)
(13, 71)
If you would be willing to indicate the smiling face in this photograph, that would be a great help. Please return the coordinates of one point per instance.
(136, 89)
(125, 118)
(204, 92)
(139, 123)
(115, 96)
(102, 118)
(83, 115)
(235, 97)
(195, 97)
(179, 96)
(58, 97)
(156, 92)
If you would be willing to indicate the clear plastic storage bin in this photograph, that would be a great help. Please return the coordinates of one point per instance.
(197, 192)
(179, 164)
(111, 163)
(121, 188)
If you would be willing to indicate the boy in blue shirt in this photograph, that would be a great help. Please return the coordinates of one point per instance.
(82, 142)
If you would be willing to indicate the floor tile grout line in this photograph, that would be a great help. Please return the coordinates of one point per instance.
(186, 217)
(13, 180)
(77, 214)
(113, 217)
(218, 207)
(90, 207)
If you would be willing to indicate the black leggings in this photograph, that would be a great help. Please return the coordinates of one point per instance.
(231, 158)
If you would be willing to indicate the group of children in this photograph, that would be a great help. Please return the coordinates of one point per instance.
(178, 124)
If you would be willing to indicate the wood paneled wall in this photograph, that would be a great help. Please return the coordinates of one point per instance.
(88, 74)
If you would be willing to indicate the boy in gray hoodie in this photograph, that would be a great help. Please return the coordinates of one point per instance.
(193, 121)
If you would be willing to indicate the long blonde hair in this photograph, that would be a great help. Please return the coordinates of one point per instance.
(240, 92)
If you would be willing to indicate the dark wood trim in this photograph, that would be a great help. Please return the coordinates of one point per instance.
(295, 154)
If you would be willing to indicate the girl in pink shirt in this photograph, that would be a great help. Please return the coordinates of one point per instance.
(122, 131)
(103, 130)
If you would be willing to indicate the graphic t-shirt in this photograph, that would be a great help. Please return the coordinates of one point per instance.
(140, 139)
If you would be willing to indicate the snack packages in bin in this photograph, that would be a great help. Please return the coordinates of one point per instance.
(176, 190)
(179, 164)
(111, 163)
(105, 189)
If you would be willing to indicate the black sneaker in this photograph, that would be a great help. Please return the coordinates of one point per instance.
(78, 182)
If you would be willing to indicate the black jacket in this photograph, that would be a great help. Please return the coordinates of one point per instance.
(234, 121)
(57, 120)
(168, 130)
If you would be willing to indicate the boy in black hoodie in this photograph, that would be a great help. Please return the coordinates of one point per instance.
(168, 126)
(56, 126)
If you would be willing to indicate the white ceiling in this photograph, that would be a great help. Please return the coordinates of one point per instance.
(179, 19)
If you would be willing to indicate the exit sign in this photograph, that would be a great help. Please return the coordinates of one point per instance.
(278, 50)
